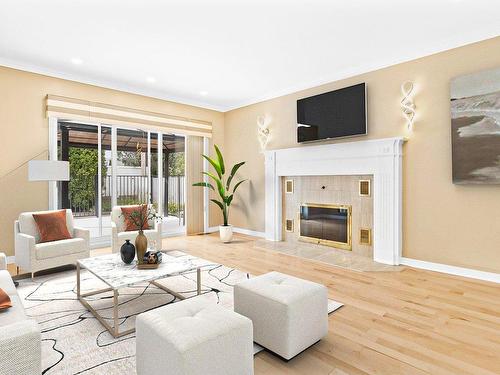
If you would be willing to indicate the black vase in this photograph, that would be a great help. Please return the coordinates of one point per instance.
(127, 251)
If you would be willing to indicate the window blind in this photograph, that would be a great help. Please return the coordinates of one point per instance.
(78, 109)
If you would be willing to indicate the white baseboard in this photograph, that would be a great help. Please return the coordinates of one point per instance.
(173, 234)
(248, 232)
(453, 270)
(100, 243)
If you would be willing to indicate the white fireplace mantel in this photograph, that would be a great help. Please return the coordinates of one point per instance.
(381, 158)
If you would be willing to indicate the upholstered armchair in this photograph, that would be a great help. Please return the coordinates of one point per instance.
(119, 235)
(33, 255)
(20, 337)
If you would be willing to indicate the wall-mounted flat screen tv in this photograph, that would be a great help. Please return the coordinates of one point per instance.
(334, 114)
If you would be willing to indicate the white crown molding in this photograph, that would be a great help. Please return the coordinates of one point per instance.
(81, 78)
(443, 45)
(452, 270)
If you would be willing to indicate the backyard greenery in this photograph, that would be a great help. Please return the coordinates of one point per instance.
(84, 172)
(129, 158)
(83, 176)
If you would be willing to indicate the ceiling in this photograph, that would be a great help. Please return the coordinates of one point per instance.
(227, 54)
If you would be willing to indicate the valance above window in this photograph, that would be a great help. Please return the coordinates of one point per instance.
(78, 109)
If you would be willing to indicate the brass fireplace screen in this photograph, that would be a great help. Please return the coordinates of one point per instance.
(327, 224)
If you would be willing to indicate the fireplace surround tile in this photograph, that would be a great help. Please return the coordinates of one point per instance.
(342, 190)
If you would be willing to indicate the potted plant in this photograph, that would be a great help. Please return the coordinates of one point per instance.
(226, 193)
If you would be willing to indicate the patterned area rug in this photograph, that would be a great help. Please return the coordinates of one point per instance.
(74, 342)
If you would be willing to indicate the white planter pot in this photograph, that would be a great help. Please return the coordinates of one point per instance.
(226, 233)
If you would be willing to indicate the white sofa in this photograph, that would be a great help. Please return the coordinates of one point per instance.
(119, 235)
(193, 337)
(288, 314)
(20, 338)
(33, 256)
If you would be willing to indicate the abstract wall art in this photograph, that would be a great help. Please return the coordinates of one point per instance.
(475, 128)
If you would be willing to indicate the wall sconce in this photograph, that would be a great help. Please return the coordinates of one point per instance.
(407, 104)
(263, 132)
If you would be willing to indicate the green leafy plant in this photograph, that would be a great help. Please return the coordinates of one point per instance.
(83, 176)
(174, 208)
(223, 185)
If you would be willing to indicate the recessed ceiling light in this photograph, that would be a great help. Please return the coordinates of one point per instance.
(203, 93)
(151, 79)
(76, 61)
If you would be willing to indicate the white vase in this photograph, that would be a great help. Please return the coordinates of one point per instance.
(226, 233)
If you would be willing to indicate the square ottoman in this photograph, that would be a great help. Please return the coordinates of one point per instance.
(193, 337)
(288, 314)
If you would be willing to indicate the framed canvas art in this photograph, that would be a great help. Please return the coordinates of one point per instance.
(475, 128)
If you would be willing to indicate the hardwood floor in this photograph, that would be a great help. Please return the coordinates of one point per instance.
(408, 322)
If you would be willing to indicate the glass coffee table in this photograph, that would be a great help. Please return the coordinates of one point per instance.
(117, 275)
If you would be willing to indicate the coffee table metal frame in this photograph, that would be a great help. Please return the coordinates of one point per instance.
(115, 329)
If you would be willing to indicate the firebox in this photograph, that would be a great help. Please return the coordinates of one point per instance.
(327, 224)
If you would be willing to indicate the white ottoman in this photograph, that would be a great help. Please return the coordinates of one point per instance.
(288, 314)
(193, 337)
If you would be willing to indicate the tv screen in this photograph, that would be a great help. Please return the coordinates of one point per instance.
(334, 114)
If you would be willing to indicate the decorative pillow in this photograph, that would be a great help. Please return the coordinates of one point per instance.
(129, 223)
(4, 300)
(52, 226)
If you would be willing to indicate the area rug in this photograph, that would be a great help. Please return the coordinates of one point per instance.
(74, 342)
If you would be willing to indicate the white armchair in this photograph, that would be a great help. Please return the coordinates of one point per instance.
(33, 255)
(119, 235)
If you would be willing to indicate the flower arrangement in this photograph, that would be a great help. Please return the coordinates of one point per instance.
(140, 217)
(137, 218)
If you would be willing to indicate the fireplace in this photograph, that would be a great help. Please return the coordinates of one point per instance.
(326, 224)
(380, 158)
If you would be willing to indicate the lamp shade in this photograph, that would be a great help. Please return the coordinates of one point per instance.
(48, 170)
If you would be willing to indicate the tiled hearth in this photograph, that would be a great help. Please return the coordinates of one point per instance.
(326, 254)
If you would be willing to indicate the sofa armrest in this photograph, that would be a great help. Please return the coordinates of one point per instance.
(3, 261)
(114, 237)
(21, 348)
(82, 233)
(24, 250)
(157, 225)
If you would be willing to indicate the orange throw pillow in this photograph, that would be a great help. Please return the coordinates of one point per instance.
(4, 300)
(129, 223)
(52, 226)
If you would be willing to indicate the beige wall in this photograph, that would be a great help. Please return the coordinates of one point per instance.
(24, 134)
(436, 226)
(443, 223)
